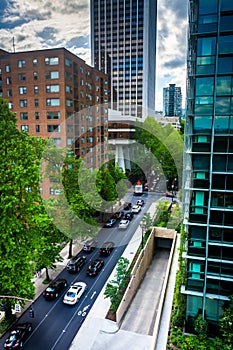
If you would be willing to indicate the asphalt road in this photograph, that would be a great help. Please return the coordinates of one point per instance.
(56, 324)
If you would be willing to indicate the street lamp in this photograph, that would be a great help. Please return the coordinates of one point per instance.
(142, 225)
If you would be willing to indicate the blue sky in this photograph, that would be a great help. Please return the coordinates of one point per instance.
(40, 24)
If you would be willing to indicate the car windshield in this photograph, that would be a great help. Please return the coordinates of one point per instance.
(70, 294)
(49, 289)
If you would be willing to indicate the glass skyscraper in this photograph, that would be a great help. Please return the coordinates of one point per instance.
(172, 101)
(123, 45)
(208, 161)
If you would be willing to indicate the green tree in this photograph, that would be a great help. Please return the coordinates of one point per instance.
(115, 288)
(19, 205)
(226, 323)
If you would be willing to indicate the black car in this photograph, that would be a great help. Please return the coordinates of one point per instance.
(95, 267)
(140, 202)
(76, 263)
(55, 288)
(107, 248)
(90, 245)
(129, 216)
(18, 336)
(127, 206)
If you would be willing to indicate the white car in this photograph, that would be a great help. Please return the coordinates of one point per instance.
(123, 224)
(136, 209)
(74, 293)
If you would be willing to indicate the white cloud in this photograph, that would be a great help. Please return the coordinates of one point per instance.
(40, 24)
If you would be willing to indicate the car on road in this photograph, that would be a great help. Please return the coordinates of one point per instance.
(127, 206)
(18, 336)
(74, 293)
(118, 215)
(55, 288)
(136, 209)
(95, 267)
(110, 223)
(75, 264)
(129, 216)
(90, 245)
(140, 202)
(107, 248)
(123, 225)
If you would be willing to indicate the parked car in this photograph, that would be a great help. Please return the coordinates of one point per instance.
(140, 202)
(136, 209)
(107, 248)
(18, 336)
(95, 267)
(123, 224)
(168, 194)
(55, 288)
(127, 206)
(76, 263)
(74, 293)
(90, 245)
(110, 223)
(118, 215)
(129, 216)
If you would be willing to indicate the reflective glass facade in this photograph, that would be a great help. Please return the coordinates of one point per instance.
(124, 46)
(208, 169)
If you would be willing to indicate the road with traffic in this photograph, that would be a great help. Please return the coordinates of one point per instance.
(55, 324)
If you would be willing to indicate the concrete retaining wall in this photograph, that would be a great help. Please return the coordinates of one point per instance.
(139, 270)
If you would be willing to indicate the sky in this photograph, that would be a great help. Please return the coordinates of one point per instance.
(42, 24)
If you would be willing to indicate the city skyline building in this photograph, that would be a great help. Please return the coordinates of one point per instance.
(172, 101)
(123, 45)
(208, 162)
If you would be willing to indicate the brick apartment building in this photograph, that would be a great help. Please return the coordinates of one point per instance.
(55, 94)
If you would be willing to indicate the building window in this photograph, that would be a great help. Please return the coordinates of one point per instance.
(22, 76)
(8, 80)
(23, 103)
(57, 141)
(52, 88)
(51, 61)
(70, 141)
(23, 115)
(8, 68)
(53, 102)
(81, 69)
(53, 115)
(36, 89)
(68, 76)
(68, 62)
(52, 75)
(36, 102)
(55, 191)
(10, 105)
(35, 62)
(69, 103)
(21, 63)
(22, 90)
(24, 127)
(70, 128)
(35, 76)
(53, 128)
(68, 89)
(9, 93)
(37, 128)
(37, 115)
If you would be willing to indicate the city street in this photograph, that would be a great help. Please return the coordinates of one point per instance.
(56, 324)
